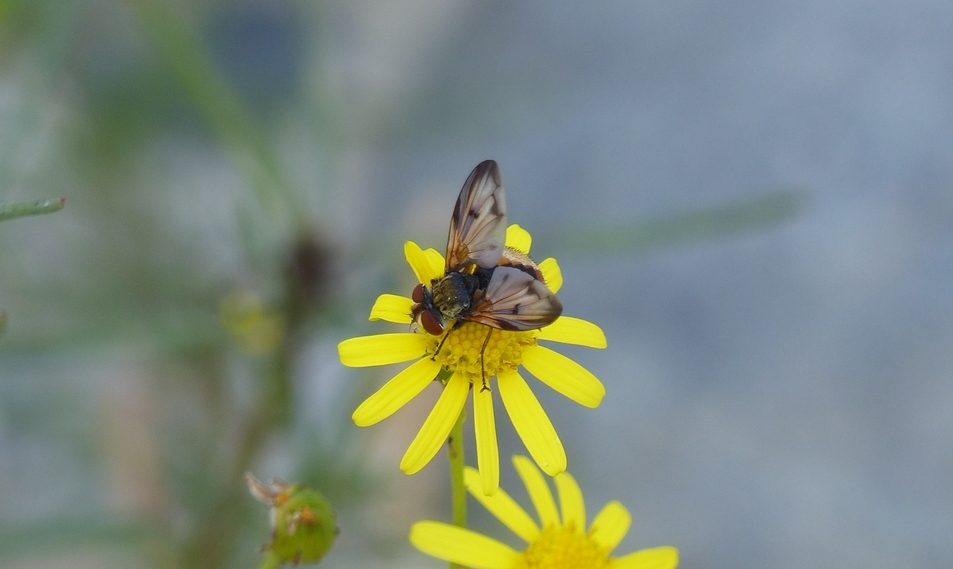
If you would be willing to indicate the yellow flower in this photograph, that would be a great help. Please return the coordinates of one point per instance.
(460, 354)
(559, 541)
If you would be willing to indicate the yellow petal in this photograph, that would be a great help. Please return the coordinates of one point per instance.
(611, 525)
(488, 453)
(392, 308)
(422, 262)
(551, 274)
(538, 491)
(382, 349)
(665, 557)
(564, 375)
(396, 393)
(531, 423)
(503, 507)
(518, 238)
(435, 260)
(437, 426)
(569, 330)
(571, 502)
(462, 546)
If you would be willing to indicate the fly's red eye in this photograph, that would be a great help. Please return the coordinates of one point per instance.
(418, 294)
(430, 323)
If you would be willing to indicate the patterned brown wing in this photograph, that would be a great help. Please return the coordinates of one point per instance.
(514, 300)
(478, 224)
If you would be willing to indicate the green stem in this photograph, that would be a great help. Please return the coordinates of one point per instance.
(271, 561)
(184, 53)
(210, 546)
(21, 209)
(458, 491)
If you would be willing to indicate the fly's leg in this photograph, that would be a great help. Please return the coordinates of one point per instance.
(482, 367)
(442, 340)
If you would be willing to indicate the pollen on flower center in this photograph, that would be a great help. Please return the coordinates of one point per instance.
(461, 350)
(560, 547)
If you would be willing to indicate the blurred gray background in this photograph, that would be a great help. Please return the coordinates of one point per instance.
(752, 199)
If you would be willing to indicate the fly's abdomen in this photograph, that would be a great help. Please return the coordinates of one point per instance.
(521, 261)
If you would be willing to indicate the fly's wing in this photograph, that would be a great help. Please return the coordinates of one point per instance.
(478, 224)
(514, 300)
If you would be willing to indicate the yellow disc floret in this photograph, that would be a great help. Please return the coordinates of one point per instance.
(559, 547)
(461, 350)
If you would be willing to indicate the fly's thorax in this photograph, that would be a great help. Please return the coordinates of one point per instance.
(453, 293)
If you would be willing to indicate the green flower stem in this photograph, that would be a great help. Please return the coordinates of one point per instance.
(22, 209)
(457, 489)
(271, 561)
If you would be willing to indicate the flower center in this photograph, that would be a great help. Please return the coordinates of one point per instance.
(559, 547)
(461, 350)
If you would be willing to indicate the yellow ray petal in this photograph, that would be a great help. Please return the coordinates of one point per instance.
(465, 547)
(422, 262)
(518, 238)
(437, 426)
(392, 308)
(531, 423)
(538, 490)
(569, 330)
(488, 453)
(564, 375)
(396, 393)
(571, 502)
(435, 260)
(503, 507)
(382, 349)
(552, 274)
(610, 525)
(665, 557)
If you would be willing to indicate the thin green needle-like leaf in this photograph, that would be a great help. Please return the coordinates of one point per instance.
(751, 214)
(722, 220)
(23, 209)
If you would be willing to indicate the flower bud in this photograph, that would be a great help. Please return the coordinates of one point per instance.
(302, 522)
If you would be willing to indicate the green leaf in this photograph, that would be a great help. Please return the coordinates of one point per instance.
(22, 209)
(749, 214)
